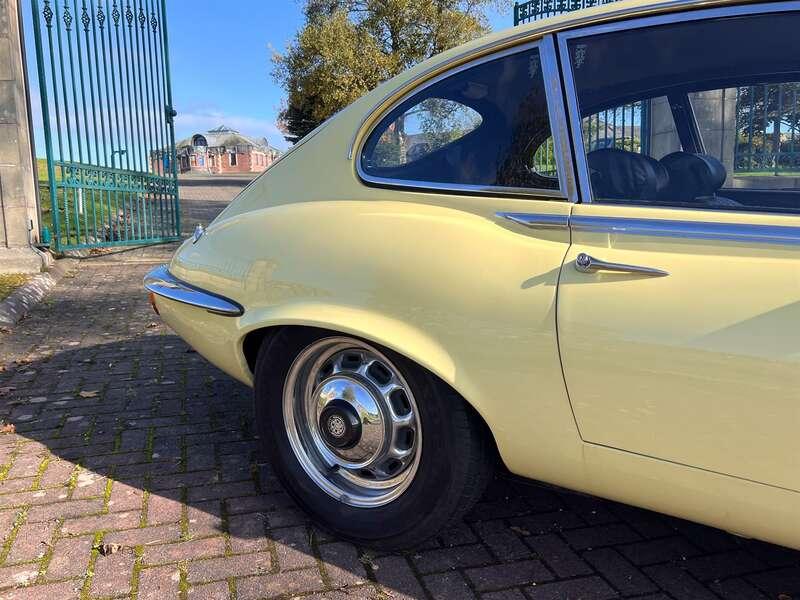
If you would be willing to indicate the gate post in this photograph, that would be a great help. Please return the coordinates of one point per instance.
(19, 221)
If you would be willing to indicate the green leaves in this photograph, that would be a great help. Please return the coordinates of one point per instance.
(348, 47)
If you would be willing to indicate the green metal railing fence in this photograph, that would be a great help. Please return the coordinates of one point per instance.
(525, 12)
(768, 129)
(103, 71)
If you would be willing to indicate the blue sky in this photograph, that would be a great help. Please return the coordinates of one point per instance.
(221, 68)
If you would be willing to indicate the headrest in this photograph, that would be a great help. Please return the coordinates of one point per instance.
(621, 175)
(693, 176)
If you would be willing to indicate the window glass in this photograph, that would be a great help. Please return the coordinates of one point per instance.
(486, 125)
(700, 114)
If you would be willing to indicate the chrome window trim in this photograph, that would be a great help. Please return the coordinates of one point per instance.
(549, 66)
(703, 230)
(584, 183)
(162, 283)
(536, 220)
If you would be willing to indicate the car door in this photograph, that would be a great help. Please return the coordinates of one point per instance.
(679, 299)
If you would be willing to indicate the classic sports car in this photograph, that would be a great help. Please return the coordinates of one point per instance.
(571, 249)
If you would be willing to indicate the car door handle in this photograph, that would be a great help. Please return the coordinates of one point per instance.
(589, 264)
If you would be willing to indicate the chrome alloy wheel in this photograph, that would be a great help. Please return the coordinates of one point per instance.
(352, 422)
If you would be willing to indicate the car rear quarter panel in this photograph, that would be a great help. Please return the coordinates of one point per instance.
(463, 293)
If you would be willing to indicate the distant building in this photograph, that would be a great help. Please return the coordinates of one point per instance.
(224, 150)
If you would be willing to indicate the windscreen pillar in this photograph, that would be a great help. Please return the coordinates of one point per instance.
(19, 223)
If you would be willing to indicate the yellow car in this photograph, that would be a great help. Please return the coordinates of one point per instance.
(571, 248)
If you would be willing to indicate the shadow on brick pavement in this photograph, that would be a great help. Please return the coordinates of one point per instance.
(134, 472)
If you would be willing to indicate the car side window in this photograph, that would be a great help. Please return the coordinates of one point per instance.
(482, 126)
(703, 114)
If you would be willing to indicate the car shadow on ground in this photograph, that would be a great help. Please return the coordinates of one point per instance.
(141, 443)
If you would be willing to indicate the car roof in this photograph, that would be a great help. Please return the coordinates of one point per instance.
(513, 35)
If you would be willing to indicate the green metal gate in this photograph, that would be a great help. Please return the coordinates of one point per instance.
(103, 70)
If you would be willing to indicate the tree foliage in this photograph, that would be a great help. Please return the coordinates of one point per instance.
(347, 47)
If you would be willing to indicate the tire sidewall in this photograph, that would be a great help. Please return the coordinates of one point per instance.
(426, 498)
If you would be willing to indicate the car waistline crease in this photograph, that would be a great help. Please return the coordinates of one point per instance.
(162, 283)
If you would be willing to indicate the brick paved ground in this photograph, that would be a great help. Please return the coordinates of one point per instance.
(133, 474)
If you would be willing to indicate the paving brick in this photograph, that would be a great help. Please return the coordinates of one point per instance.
(162, 509)
(70, 557)
(657, 551)
(601, 535)
(502, 541)
(586, 588)
(113, 573)
(31, 542)
(558, 556)
(16, 575)
(209, 591)
(396, 577)
(228, 566)
(678, 583)
(66, 590)
(513, 594)
(148, 536)
(340, 561)
(737, 589)
(780, 581)
(293, 548)
(109, 521)
(451, 558)
(64, 510)
(125, 497)
(508, 575)
(159, 583)
(448, 586)
(720, 566)
(58, 472)
(619, 572)
(192, 549)
(559, 520)
(266, 586)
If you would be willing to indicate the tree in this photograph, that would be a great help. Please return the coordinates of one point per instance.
(348, 47)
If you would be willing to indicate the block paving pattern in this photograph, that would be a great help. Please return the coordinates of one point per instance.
(134, 473)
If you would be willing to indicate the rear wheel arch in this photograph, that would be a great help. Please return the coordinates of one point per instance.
(253, 341)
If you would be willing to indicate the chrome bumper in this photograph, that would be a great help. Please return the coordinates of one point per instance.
(161, 282)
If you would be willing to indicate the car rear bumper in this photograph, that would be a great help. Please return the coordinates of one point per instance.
(162, 283)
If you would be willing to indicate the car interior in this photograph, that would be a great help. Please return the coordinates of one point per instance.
(679, 62)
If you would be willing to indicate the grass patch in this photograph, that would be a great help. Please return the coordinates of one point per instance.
(10, 282)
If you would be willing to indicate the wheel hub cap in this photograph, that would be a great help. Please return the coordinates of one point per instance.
(352, 422)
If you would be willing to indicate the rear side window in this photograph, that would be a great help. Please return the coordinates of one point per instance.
(698, 114)
(483, 126)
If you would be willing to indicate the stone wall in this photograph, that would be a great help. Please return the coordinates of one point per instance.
(18, 213)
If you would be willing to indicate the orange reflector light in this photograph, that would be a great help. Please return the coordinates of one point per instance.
(153, 303)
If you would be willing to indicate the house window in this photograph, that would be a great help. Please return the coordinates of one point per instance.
(232, 156)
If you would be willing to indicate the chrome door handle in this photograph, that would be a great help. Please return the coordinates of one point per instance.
(589, 264)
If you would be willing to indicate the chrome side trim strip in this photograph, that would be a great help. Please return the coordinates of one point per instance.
(733, 232)
(537, 221)
(161, 282)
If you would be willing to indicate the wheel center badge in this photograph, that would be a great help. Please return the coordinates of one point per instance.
(336, 426)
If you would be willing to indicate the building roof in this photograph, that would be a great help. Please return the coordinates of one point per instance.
(228, 137)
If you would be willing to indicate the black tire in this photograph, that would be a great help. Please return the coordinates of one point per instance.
(455, 462)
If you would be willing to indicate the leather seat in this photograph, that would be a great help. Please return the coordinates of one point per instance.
(620, 175)
(695, 178)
